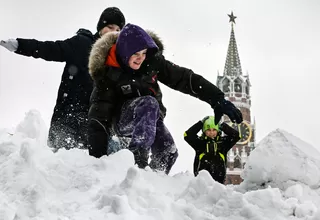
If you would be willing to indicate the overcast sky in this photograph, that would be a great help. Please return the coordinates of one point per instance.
(278, 44)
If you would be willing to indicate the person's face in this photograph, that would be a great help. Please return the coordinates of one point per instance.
(137, 59)
(211, 133)
(109, 28)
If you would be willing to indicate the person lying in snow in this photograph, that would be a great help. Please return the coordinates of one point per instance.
(211, 148)
(68, 128)
(126, 69)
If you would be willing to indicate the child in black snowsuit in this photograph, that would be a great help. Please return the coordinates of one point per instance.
(211, 148)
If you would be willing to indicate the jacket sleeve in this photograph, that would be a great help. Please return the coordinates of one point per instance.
(60, 51)
(232, 137)
(102, 104)
(188, 82)
(191, 137)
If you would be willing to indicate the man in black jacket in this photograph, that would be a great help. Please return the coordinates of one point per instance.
(68, 127)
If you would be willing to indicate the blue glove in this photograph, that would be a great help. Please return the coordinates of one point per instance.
(225, 107)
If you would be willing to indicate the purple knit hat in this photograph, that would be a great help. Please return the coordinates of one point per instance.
(132, 39)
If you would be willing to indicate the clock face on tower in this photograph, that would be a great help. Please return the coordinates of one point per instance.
(244, 129)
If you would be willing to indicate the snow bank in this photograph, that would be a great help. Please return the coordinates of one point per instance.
(36, 183)
(284, 161)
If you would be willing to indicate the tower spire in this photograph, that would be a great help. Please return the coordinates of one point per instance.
(236, 88)
(233, 65)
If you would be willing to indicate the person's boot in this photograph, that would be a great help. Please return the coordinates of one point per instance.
(141, 156)
(171, 160)
(163, 161)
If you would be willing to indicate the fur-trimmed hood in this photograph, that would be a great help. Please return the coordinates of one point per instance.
(102, 46)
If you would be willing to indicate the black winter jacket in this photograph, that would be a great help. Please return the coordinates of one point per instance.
(110, 92)
(72, 104)
(211, 154)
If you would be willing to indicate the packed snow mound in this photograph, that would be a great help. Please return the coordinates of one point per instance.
(36, 183)
(284, 161)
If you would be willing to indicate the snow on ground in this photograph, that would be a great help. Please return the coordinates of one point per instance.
(284, 161)
(281, 182)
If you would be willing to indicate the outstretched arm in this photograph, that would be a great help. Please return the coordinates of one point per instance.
(188, 82)
(60, 50)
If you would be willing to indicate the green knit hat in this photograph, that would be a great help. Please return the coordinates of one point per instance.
(209, 123)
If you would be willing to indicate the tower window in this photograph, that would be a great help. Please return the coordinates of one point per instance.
(226, 86)
(237, 163)
(237, 86)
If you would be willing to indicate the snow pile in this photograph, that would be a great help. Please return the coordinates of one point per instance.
(284, 161)
(36, 183)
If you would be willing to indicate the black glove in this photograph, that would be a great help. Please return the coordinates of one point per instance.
(204, 119)
(226, 107)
